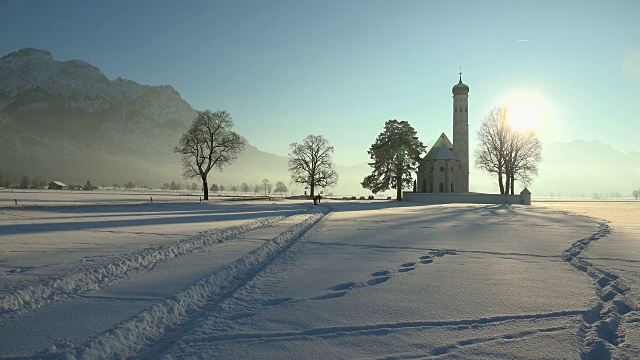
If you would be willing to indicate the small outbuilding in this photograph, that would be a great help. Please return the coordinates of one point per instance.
(57, 185)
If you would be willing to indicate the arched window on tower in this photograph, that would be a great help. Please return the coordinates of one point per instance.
(455, 109)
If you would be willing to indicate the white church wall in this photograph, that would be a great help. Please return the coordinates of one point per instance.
(468, 198)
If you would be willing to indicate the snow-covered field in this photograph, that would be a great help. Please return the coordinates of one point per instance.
(114, 276)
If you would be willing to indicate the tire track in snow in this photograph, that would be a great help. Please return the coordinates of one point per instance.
(151, 325)
(15, 302)
(600, 329)
(338, 330)
(443, 351)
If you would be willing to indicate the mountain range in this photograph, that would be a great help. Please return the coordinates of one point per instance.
(65, 120)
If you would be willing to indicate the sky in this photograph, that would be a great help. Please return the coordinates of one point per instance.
(287, 69)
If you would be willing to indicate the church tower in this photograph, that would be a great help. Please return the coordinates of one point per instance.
(461, 131)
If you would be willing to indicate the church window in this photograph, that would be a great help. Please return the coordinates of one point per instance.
(441, 187)
(451, 187)
(460, 108)
(455, 109)
(441, 168)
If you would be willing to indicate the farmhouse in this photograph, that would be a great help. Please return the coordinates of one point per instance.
(57, 185)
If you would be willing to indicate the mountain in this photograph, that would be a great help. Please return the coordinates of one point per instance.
(581, 168)
(577, 169)
(65, 120)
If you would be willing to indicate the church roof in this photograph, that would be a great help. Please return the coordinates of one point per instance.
(460, 88)
(443, 137)
(441, 150)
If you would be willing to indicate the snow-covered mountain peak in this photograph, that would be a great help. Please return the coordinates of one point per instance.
(31, 79)
(28, 53)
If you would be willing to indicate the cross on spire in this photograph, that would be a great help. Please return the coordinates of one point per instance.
(460, 73)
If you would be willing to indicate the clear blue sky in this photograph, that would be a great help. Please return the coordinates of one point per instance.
(286, 69)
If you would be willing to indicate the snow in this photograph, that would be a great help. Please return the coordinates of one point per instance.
(101, 275)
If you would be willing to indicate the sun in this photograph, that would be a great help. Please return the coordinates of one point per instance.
(525, 113)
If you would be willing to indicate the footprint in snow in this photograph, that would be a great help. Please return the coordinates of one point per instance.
(329, 296)
(278, 301)
(378, 280)
(442, 253)
(341, 287)
(409, 264)
(381, 273)
(406, 269)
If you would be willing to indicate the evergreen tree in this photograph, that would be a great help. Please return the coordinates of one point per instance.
(395, 155)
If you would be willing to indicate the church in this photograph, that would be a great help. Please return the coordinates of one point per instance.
(445, 168)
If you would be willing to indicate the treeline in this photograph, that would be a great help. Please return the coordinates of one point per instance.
(9, 180)
(264, 187)
(612, 195)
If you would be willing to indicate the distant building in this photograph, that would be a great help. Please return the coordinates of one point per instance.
(443, 174)
(445, 168)
(57, 185)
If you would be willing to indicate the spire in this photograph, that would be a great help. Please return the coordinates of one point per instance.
(460, 88)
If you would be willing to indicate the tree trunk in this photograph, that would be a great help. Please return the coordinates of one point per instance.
(205, 188)
(312, 188)
(399, 184)
(507, 180)
(500, 183)
(513, 180)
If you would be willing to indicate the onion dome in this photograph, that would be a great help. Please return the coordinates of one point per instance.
(460, 88)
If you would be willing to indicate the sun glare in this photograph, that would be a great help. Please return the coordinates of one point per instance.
(524, 113)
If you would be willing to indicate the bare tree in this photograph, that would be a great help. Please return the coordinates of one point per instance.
(245, 187)
(24, 182)
(524, 153)
(266, 186)
(509, 154)
(208, 143)
(636, 194)
(280, 187)
(310, 163)
(493, 138)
